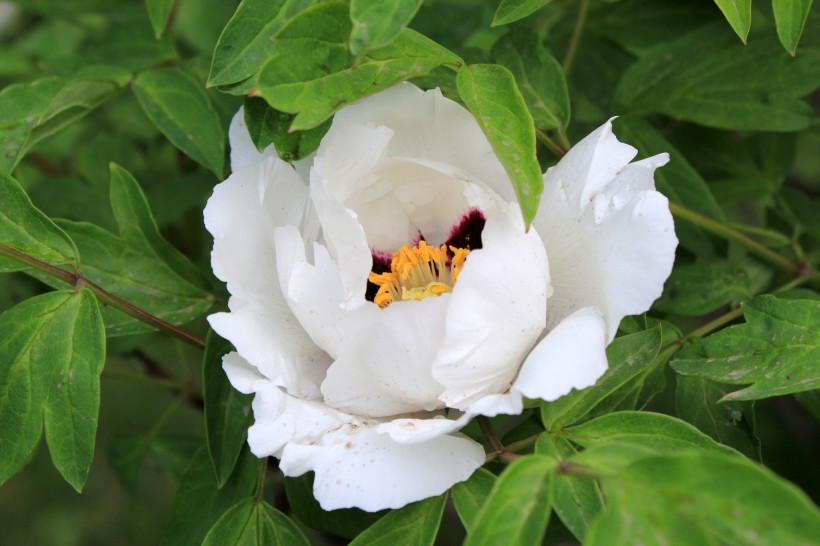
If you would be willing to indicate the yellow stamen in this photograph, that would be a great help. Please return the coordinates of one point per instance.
(417, 273)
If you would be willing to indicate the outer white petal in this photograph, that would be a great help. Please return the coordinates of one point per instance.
(571, 356)
(242, 215)
(369, 470)
(609, 236)
(386, 371)
(413, 431)
(243, 152)
(242, 375)
(497, 312)
(428, 126)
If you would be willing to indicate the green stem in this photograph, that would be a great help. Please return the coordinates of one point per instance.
(260, 480)
(732, 234)
(545, 139)
(563, 139)
(77, 280)
(572, 48)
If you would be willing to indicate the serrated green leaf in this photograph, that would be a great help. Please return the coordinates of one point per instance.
(697, 289)
(249, 38)
(490, 93)
(267, 126)
(731, 424)
(73, 405)
(777, 350)
(228, 412)
(253, 523)
(345, 522)
(652, 431)
(576, 500)
(538, 75)
(25, 229)
(33, 111)
(706, 78)
(52, 354)
(199, 503)
(469, 496)
(135, 274)
(630, 358)
(697, 498)
(509, 11)
(158, 12)
(375, 24)
(179, 107)
(317, 86)
(518, 508)
(414, 525)
(739, 15)
(790, 17)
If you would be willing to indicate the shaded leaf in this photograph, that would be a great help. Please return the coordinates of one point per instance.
(179, 107)
(697, 289)
(509, 11)
(375, 24)
(739, 15)
(413, 525)
(777, 350)
(228, 412)
(316, 87)
(267, 126)
(469, 496)
(250, 522)
(790, 17)
(158, 12)
(490, 93)
(518, 508)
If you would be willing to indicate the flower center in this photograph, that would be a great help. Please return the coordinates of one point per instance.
(419, 272)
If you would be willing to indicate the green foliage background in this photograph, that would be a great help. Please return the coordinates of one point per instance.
(113, 122)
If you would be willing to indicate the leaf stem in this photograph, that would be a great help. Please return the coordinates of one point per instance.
(545, 139)
(499, 451)
(77, 280)
(572, 48)
(260, 480)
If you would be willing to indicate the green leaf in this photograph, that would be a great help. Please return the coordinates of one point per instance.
(414, 525)
(469, 496)
(158, 12)
(179, 107)
(697, 289)
(375, 24)
(250, 523)
(630, 358)
(677, 180)
(539, 76)
(509, 11)
(315, 87)
(73, 405)
(199, 502)
(696, 498)
(777, 350)
(267, 126)
(576, 500)
(790, 17)
(651, 431)
(345, 522)
(730, 423)
(249, 38)
(228, 412)
(52, 353)
(739, 15)
(25, 229)
(705, 78)
(490, 93)
(518, 508)
(33, 111)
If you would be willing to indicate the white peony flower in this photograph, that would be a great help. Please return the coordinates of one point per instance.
(384, 291)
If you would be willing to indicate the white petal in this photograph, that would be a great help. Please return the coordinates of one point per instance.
(369, 470)
(497, 312)
(609, 236)
(509, 403)
(242, 215)
(387, 370)
(243, 152)
(413, 431)
(428, 126)
(240, 373)
(571, 356)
